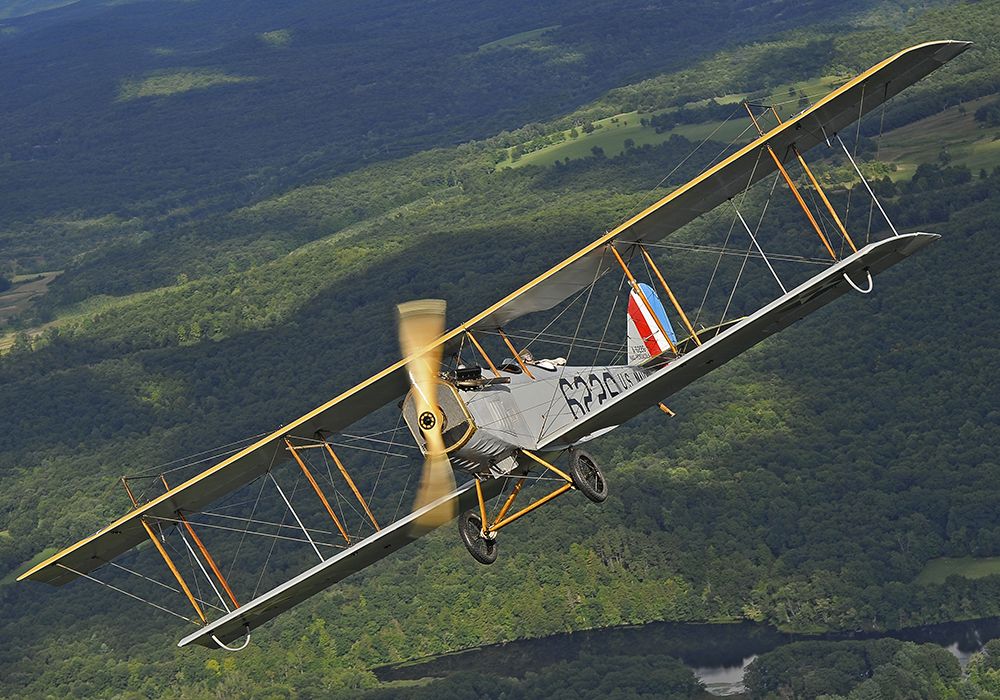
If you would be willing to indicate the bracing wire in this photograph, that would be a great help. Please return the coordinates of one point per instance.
(718, 250)
(878, 151)
(126, 593)
(739, 275)
(378, 477)
(253, 511)
(857, 140)
(645, 195)
(212, 452)
(725, 244)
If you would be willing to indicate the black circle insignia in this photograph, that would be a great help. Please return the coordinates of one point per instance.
(427, 420)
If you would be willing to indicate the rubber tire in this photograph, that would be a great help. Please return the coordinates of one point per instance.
(587, 476)
(470, 527)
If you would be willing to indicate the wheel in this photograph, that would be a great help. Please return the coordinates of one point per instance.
(587, 476)
(470, 527)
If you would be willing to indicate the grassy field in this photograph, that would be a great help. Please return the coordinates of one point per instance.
(40, 557)
(175, 82)
(26, 288)
(937, 570)
(967, 142)
(519, 38)
(611, 133)
(610, 136)
(278, 37)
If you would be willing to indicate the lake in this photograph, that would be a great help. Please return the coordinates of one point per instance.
(717, 653)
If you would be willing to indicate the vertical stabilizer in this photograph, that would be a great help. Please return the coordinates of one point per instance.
(645, 339)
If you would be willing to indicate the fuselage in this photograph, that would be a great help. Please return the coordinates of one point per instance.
(486, 426)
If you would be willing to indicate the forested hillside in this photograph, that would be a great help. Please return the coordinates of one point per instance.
(236, 195)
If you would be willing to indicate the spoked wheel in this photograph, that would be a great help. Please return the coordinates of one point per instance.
(587, 476)
(470, 526)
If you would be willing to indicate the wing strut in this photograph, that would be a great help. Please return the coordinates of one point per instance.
(350, 482)
(816, 186)
(319, 493)
(204, 551)
(642, 296)
(482, 352)
(670, 294)
(791, 186)
(166, 557)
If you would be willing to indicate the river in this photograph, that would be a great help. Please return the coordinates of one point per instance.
(717, 653)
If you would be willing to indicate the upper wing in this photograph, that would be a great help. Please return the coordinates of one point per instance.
(843, 106)
(830, 114)
(780, 313)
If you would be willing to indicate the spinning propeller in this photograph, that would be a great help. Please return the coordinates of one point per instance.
(421, 322)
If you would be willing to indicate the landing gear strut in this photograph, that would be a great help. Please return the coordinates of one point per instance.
(480, 535)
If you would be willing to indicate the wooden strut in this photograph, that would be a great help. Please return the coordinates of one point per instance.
(792, 187)
(822, 194)
(350, 482)
(482, 352)
(166, 557)
(509, 502)
(204, 551)
(319, 492)
(642, 296)
(515, 353)
(502, 521)
(673, 299)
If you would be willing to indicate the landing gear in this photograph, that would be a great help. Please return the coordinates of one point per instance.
(480, 535)
(483, 548)
(587, 476)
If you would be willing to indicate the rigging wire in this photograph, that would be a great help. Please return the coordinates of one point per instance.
(739, 276)
(614, 305)
(878, 150)
(550, 323)
(270, 551)
(564, 340)
(576, 333)
(193, 574)
(645, 195)
(401, 495)
(155, 472)
(266, 523)
(857, 140)
(718, 250)
(378, 477)
(124, 592)
(253, 511)
(271, 535)
(725, 243)
(159, 583)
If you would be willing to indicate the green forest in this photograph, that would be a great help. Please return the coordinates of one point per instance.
(235, 196)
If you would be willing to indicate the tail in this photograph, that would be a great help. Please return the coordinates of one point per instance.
(645, 339)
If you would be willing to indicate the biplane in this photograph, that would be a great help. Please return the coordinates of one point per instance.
(503, 419)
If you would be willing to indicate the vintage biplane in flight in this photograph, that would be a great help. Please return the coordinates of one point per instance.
(503, 423)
